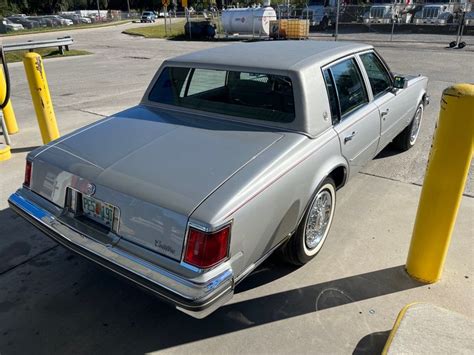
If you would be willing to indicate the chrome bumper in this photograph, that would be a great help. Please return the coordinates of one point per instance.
(197, 299)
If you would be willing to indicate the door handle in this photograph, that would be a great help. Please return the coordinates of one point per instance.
(349, 137)
(385, 113)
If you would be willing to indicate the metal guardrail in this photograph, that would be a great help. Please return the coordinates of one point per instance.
(62, 43)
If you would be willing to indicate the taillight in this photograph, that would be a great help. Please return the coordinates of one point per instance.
(207, 249)
(27, 181)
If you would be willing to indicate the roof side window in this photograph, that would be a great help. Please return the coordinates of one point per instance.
(379, 78)
(350, 87)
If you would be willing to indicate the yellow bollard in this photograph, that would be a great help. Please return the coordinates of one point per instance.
(5, 152)
(446, 175)
(8, 113)
(41, 98)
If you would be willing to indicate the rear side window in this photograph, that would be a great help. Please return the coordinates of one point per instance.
(258, 96)
(379, 77)
(332, 96)
(349, 86)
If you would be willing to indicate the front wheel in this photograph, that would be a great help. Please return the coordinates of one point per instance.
(314, 227)
(408, 137)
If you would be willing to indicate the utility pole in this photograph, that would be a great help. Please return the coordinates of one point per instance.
(128, 7)
(98, 9)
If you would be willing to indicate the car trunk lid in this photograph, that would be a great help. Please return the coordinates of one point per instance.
(157, 167)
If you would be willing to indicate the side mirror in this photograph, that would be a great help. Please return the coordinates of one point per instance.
(400, 82)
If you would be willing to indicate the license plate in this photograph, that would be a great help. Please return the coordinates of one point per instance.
(98, 211)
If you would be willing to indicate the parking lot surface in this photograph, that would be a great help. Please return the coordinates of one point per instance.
(345, 301)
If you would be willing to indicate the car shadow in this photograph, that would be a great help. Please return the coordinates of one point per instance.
(59, 300)
(389, 151)
(270, 270)
(372, 343)
(287, 304)
(300, 301)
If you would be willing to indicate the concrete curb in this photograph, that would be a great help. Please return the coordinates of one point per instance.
(423, 328)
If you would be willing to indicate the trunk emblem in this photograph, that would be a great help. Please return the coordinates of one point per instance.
(90, 189)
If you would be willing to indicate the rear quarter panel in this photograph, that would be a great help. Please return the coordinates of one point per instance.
(412, 95)
(267, 199)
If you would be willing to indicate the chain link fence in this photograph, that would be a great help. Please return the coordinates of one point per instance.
(382, 22)
(385, 22)
(395, 22)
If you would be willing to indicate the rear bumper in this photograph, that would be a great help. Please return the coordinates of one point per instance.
(197, 299)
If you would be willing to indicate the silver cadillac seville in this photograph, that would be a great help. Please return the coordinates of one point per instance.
(233, 153)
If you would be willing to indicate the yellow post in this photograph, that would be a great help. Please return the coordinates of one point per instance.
(446, 174)
(8, 113)
(5, 152)
(41, 98)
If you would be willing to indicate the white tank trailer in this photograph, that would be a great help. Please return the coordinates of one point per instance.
(251, 20)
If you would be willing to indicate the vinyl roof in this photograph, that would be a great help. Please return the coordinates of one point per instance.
(278, 55)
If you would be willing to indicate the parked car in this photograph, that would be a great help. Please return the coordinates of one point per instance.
(148, 16)
(85, 19)
(42, 22)
(96, 18)
(45, 21)
(24, 21)
(77, 19)
(9, 26)
(236, 157)
(60, 21)
(73, 17)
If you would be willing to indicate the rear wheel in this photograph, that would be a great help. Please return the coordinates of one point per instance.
(408, 137)
(314, 227)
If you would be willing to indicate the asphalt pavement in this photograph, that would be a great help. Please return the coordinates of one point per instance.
(345, 301)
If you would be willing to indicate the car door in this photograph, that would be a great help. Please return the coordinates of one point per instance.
(355, 119)
(391, 108)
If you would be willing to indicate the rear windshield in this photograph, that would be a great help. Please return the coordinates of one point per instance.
(251, 95)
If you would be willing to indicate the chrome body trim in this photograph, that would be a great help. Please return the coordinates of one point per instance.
(197, 299)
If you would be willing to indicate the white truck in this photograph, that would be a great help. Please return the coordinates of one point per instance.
(441, 12)
(384, 11)
(320, 13)
(469, 18)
